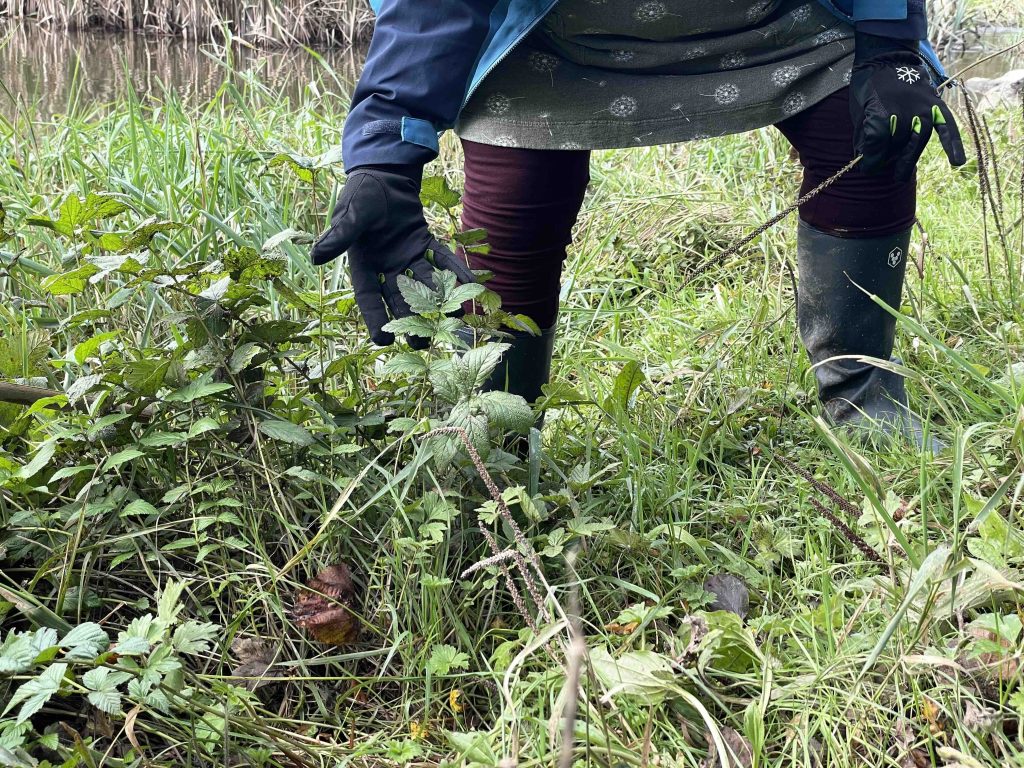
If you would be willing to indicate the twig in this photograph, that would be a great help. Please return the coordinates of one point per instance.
(715, 261)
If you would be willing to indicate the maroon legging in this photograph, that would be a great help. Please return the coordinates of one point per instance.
(528, 201)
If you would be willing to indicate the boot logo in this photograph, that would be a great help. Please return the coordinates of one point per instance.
(895, 257)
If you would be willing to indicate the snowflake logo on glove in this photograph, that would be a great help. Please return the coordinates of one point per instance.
(908, 74)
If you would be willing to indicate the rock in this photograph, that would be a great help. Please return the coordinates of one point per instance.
(992, 92)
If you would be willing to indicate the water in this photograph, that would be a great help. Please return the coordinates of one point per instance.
(56, 72)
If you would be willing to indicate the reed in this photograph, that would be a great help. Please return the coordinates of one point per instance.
(265, 22)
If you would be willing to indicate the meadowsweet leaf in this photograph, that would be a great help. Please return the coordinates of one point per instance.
(86, 641)
(16, 654)
(460, 295)
(169, 603)
(192, 637)
(33, 694)
(411, 326)
(445, 658)
(288, 432)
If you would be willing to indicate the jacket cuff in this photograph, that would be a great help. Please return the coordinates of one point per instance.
(406, 141)
(875, 17)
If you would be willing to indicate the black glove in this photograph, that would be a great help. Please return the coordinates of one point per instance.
(895, 106)
(379, 221)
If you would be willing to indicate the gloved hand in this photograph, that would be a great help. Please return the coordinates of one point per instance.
(895, 107)
(379, 221)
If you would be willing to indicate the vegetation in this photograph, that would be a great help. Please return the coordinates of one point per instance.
(281, 22)
(232, 532)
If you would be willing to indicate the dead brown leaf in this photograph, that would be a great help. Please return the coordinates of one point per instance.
(742, 754)
(255, 662)
(325, 607)
(994, 666)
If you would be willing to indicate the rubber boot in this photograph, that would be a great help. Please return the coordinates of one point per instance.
(836, 317)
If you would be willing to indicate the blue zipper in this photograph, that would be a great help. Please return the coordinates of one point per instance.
(505, 54)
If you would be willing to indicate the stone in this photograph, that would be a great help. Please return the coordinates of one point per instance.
(993, 92)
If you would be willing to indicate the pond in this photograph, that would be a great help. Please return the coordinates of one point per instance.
(55, 72)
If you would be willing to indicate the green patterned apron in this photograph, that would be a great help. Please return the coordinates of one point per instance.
(624, 73)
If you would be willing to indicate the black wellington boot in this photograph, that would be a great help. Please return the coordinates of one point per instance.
(836, 317)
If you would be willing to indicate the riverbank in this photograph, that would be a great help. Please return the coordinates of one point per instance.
(240, 434)
(278, 23)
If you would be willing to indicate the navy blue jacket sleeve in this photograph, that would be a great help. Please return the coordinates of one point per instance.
(913, 27)
(418, 68)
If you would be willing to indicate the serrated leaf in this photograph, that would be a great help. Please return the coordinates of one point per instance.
(139, 508)
(90, 346)
(278, 429)
(145, 376)
(194, 637)
(82, 386)
(169, 603)
(142, 236)
(242, 356)
(436, 190)
(445, 658)
(16, 654)
(506, 412)
(33, 694)
(460, 295)
(85, 641)
(106, 700)
(411, 326)
(645, 674)
(163, 439)
(43, 455)
(422, 299)
(201, 427)
(69, 283)
(197, 390)
(405, 364)
(122, 457)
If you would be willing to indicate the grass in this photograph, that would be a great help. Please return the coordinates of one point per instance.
(303, 450)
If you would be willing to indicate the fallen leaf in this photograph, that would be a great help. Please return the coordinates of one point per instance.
(622, 629)
(325, 607)
(995, 665)
(979, 719)
(731, 594)
(255, 662)
(742, 754)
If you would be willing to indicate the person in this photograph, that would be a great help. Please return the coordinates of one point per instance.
(532, 86)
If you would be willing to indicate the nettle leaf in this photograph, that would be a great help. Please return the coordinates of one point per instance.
(70, 283)
(406, 364)
(99, 206)
(86, 641)
(460, 295)
(122, 457)
(197, 390)
(91, 346)
(445, 658)
(246, 264)
(139, 508)
(142, 236)
(472, 369)
(145, 377)
(411, 326)
(34, 694)
(297, 164)
(422, 299)
(82, 386)
(286, 431)
(505, 411)
(436, 190)
(242, 356)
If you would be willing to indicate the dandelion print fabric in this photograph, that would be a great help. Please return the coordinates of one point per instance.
(602, 74)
